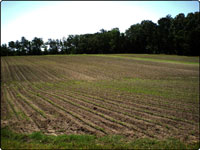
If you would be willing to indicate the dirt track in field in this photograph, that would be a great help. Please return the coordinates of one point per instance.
(100, 95)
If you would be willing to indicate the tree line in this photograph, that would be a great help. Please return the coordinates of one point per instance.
(178, 35)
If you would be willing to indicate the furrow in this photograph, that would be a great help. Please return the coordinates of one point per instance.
(160, 103)
(137, 110)
(135, 107)
(13, 71)
(9, 76)
(29, 103)
(31, 113)
(82, 111)
(45, 70)
(23, 125)
(192, 118)
(34, 74)
(5, 107)
(4, 71)
(69, 112)
(122, 114)
(20, 108)
(136, 99)
(58, 116)
(11, 105)
(21, 76)
(100, 114)
(120, 120)
(45, 75)
(24, 72)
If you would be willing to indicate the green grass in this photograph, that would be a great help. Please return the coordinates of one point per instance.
(162, 88)
(152, 58)
(38, 140)
(143, 57)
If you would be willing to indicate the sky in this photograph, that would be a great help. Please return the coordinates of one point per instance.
(58, 19)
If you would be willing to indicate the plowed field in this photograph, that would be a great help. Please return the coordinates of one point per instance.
(154, 96)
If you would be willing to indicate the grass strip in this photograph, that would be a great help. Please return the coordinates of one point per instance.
(38, 140)
(150, 59)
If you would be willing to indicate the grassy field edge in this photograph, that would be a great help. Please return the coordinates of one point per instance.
(38, 140)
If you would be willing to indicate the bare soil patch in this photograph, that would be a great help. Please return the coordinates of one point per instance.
(100, 95)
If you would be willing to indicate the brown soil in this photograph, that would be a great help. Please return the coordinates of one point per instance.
(70, 107)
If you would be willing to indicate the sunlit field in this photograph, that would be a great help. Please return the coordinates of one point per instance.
(131, 96)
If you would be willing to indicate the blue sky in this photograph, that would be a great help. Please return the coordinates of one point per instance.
(57, 19)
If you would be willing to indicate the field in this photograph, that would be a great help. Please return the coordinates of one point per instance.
(132, 95)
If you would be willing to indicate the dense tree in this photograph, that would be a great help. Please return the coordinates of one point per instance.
(5, 51)
(62, 46)
(149, 31)
(165, 41)
(24, 46)
(178, 35)
(180, 45)
(53, 46)
(71, 44)
(193, 33)
(36, 45)
(114, 42)
(135, 39)
(45, 48)
(18, 48)
(11, 44)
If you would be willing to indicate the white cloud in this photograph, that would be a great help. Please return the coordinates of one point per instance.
(64, 18)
